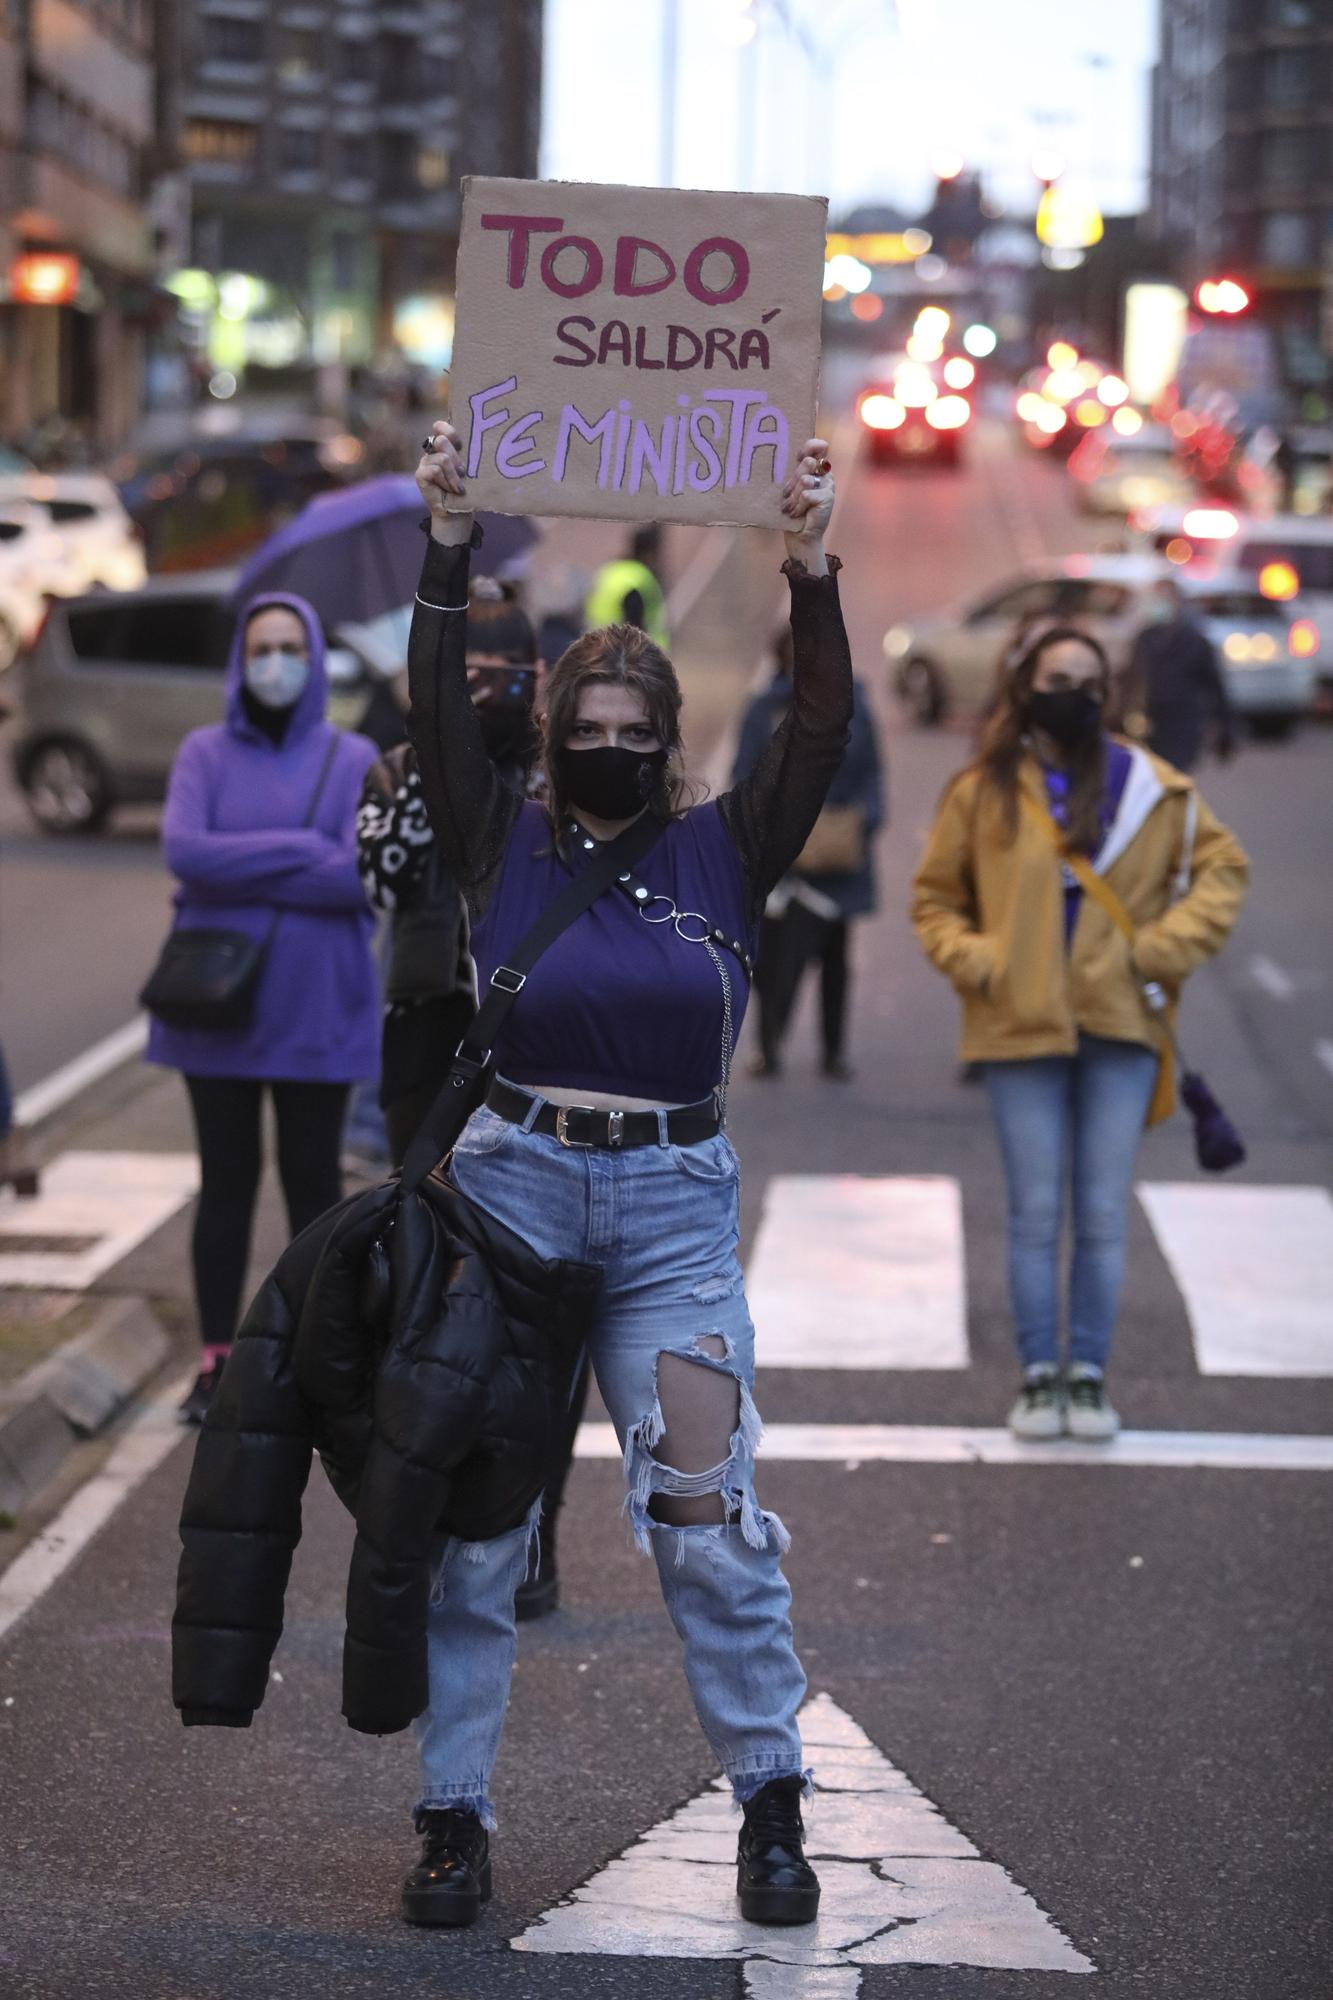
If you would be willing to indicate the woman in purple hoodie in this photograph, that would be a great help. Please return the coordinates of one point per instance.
(260, 833)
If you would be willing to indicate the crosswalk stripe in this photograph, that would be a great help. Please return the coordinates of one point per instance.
(854, 1271)
(94, 1208)
(854, 1445)
(1255, 1269)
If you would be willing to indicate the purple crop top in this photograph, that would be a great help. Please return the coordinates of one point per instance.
(617, 1004)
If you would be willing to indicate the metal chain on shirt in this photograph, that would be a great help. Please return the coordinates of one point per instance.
(644, 900)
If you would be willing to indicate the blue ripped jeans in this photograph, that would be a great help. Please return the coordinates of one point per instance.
(661, 1222)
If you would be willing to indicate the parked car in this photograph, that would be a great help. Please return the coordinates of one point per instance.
(92, 544)
(28, 553)
(113, 683)
(948, 665)
(1115, 475)
(210, 500)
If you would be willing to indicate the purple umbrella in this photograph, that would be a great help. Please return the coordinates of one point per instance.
(356, 553)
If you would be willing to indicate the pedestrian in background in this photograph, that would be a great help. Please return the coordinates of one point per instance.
(1053, 1000)
(431, 982)
(601, 1137)
(260, 832)
(1177, 682)
(628, 590)
(807, 919)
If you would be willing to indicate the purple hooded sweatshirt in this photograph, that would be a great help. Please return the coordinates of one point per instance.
(233, 835)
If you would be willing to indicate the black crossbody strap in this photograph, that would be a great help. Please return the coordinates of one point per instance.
(453, 1106)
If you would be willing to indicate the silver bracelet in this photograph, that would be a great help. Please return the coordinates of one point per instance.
(439, 607)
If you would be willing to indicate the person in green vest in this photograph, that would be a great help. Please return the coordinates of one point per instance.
(626, 591)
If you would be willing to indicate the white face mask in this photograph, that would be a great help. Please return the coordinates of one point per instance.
(277, 678)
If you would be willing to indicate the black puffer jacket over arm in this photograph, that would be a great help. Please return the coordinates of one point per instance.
(427, 1353)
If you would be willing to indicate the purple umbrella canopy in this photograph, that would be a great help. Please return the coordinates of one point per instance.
(356, 553)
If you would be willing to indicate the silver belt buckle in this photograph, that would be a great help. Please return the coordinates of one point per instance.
(562, 1126)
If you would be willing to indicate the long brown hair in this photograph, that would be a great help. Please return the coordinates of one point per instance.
(616, 656)
(1003, 741)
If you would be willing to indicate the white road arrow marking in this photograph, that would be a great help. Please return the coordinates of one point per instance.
(901, 1886)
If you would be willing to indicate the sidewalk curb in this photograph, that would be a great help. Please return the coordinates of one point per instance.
(74, 1394)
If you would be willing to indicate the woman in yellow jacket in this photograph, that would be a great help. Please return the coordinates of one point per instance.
(1052, 988)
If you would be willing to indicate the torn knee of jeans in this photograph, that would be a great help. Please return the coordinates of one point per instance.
(690, 1461)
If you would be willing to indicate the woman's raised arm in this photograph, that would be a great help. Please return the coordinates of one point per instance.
(471, 809)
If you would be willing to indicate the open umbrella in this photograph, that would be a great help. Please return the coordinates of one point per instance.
(356, 553)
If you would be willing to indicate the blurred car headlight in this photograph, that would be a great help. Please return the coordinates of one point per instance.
(897, 642)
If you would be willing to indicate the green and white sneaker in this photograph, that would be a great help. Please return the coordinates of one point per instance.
(1039, 1411)
(1089, 1414)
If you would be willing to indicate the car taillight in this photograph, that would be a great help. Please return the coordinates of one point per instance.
(881, 413)
(1303, 639)
(950, 413)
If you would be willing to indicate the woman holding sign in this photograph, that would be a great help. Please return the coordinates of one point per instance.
(601, 1139)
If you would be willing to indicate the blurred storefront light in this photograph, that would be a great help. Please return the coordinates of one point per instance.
(44, 278)
(423, 327)
(1061, 355)
(959, 373)
(1090, 413)
(1112, 391)
(868, 307)
(1279, 581)
(1068, 218)
(1126, 422)
(1155, 325)
(980, 340)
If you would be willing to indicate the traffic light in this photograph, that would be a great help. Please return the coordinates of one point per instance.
(1221, 295)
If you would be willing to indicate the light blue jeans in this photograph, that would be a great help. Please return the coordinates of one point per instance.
(661, 1222)
(1071, 1121)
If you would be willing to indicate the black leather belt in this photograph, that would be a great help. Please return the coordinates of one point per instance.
(581, 1125)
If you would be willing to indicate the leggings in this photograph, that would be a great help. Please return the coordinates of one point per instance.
(227, 1123)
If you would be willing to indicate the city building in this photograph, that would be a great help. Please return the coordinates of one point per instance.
(1242, 164)
(325, 144)
(80, 148)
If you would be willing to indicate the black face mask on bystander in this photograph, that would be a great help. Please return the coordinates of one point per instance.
(610, 782)
(1069, 716)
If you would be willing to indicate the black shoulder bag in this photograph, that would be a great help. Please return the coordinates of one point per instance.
(208, 977)
(471, 1070)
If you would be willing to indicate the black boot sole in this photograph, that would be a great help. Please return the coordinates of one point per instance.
(448, 1909)
(777, 1906)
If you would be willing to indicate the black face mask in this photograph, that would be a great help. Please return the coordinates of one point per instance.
(608, 783)
(1069, 717)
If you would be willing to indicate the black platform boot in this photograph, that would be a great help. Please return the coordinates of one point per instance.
(453, 1877)
(774, 1881)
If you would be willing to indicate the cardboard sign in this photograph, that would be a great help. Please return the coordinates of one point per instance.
(635, 353)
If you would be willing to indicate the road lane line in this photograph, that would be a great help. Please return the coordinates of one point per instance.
(56, 1090)
(1324, 1053)
(1255, 1268)
(139, 1451)
(1276, 983)
(859, 1271)
(93, 1209)
(949, 1444)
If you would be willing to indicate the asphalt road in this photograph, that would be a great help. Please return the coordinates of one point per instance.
(1112, 1679)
